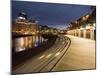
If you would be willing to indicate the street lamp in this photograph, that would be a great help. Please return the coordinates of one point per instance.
(88, 27)
(94, 24)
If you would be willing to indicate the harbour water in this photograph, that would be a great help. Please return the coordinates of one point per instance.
(27, 42)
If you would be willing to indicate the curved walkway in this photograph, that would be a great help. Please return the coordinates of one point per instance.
(80, 55)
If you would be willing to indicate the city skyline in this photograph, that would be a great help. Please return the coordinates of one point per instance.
(50, 14)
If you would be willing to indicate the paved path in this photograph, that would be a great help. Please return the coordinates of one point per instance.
(80, 55)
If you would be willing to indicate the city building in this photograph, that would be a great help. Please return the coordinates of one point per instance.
(84, 27)
(22, 25)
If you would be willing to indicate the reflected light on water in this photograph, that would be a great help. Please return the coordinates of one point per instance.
(23, 43)
(19, 44)
(20, 49)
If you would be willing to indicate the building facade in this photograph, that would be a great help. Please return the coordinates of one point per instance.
(84, 27)
(22, 25)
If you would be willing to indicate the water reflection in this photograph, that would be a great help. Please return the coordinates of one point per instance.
(23, 43)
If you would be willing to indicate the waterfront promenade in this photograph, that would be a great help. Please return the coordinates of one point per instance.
(80, 55)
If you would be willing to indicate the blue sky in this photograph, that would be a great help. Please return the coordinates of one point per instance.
(50, 14)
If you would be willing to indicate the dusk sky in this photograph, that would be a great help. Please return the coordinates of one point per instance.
(51, 14)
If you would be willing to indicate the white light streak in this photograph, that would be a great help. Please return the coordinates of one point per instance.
(48, 56)
(41, 57)
(57, 53)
